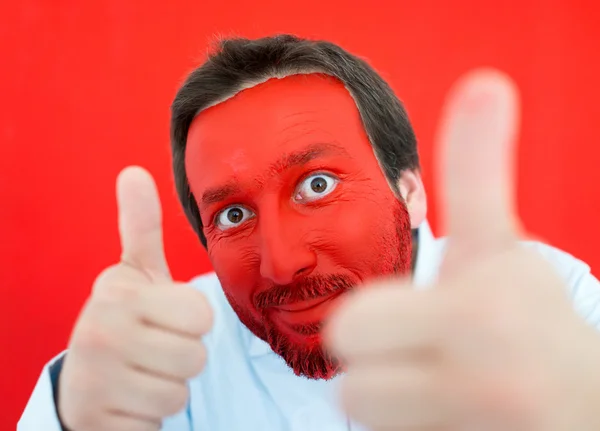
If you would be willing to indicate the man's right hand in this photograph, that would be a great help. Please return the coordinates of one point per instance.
(137, 339)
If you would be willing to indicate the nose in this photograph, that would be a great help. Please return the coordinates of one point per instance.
(285, 256)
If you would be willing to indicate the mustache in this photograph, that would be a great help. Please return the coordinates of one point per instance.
(308, 288)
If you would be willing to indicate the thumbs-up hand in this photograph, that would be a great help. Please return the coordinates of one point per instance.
(137, 339)
(496, 343)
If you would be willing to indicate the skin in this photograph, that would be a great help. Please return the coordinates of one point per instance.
(296, 209)
(495, 343)
(135, 343)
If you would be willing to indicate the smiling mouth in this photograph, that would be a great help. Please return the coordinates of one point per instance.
(301, 306)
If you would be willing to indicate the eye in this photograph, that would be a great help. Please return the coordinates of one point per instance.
(315, 187)
(233, 216)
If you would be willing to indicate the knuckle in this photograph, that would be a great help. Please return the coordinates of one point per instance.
(101, 330)
(107, 274)
(93, 337)
(106, 277)
(122, 292)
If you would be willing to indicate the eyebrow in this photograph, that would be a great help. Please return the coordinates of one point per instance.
(218, 194)
(297, 158)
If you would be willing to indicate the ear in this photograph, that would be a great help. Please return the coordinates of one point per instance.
(412, 191)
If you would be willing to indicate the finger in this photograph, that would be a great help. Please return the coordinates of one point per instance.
(385, 320)
(477, 138)
(119, 421)
(140, 222)
(395, 396)
(424, 428)
(144, 395)
(163, 353)
(183, 310)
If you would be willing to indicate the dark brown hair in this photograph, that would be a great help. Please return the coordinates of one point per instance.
(238, 62)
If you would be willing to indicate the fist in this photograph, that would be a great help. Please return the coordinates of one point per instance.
(138, 337)
(495, 344)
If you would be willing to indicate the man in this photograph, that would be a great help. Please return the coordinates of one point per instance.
(298, 169)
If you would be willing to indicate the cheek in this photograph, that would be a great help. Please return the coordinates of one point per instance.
(236, 266)
(360, 234)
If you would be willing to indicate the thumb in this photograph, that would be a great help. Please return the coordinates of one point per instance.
(477, 139)
(140, 223)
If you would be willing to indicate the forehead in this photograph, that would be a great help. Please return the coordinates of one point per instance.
(251, 129)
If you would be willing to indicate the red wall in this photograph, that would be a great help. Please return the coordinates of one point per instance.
(85, 89)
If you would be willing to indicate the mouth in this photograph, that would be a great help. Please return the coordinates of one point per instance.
(301, 306)
(305, 312)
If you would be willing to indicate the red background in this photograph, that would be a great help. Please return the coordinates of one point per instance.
(85, 89)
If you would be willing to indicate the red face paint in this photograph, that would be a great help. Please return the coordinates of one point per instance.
(296, 209)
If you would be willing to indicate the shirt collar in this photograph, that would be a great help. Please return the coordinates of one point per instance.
(428, 257)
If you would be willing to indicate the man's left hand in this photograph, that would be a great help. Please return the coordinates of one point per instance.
(495, 344)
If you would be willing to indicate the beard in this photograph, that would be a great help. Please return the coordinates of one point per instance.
(310, 359)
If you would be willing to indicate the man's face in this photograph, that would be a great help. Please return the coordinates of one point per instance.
(296, 209)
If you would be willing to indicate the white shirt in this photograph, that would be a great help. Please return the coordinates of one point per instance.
(247, 387)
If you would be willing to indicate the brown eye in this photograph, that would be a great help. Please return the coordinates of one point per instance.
(318, 185)
(315, 187)
(233, 216)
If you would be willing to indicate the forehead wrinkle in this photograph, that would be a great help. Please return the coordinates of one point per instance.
(297, 158)
(297, 124)
(298, 127)
(301, 133)
(298, 114)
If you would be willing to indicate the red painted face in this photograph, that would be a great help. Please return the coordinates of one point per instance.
(295, 208)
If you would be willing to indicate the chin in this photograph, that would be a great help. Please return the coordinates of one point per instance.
(305, 355)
